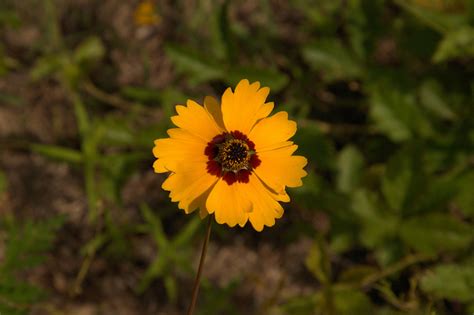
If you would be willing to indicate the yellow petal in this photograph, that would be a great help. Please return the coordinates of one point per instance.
(189, 185)
(160, 167)
(265, 110)
(182, 134)
(203, 211)
(197, 120)
(277, 195)
(200, 202)
(214, 109)
(229, 203)
(279, 168)
(241, 109)
(181, 148)
(272, 130)
(265, 209)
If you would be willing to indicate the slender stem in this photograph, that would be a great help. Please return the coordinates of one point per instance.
(201, 265)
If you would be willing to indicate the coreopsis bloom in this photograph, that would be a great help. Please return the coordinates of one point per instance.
(146, 14)
(231, 159)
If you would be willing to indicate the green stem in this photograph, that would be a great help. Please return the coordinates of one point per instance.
(201, 265)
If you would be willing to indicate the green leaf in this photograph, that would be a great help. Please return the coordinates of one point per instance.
(401, 178)
(224, 42)
(141, 94)
(352, 302)
(438, 21)
(200, 68)
(172, 257)
(397, 114)
(92, 246)
(357, 273)
(314, 145)
(458, 43)
(431, 97)
(187, 233)
(20, 293)
(155, 269)
(377, 226)
(58, 153)
(300, 305)
(314, 263)
(334, 61)
(350, 163)
(155, 225)
(450, 281)
(384, 113)
(465, 197)
(90, 49)
(26, 244)
(364, 25)
(439, 192)
(47, 65)
(171, 288)
(81, 114)
(435, 233)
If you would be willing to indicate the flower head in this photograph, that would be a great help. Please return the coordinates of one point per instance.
(231, 159)
(145, 14)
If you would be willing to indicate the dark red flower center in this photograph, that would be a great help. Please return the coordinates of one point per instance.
(231, 156)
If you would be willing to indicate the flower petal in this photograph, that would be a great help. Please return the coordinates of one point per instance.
(229, 203)
(265, 209)
(189, 184)
(279, 168)
(242, 108)
(278, 196)
(265, 110)
(181, 147)
(197, 120)
(214, 109)
(272, 130)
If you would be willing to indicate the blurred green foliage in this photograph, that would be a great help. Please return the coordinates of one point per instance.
(26, 245)
(383, 92)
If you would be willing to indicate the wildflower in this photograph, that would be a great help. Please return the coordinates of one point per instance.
(231, 159)
(145, 14)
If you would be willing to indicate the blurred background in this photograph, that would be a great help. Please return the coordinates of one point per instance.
(383, 93)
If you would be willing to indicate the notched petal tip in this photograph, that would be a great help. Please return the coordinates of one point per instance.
(242, 83)
(195, 119)
(257, 227)
(242, 108)
(179, 109)
(255, 85)
(158, 167)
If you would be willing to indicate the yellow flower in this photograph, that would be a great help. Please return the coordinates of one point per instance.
(231, 159)
(145, 14)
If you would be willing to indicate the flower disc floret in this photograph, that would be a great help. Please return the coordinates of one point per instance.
(231, 156)
(234, 155)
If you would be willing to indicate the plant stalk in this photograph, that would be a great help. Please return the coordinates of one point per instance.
(201, 265)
